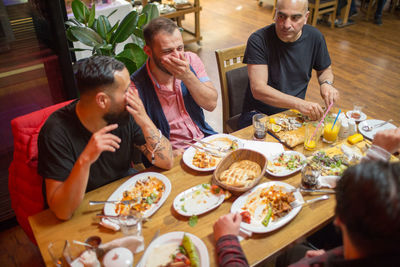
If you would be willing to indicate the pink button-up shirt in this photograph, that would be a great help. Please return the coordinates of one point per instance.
(182, 127)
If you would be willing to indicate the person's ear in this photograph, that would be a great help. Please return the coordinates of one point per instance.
(147, 50)
(102, 100)
(306, 16)
(337, 222)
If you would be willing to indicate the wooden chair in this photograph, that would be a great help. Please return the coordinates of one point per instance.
(320, 7)
(234, 80)
(369, 8)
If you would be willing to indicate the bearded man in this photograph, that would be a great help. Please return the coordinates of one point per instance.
(174, 86)
(92, 141)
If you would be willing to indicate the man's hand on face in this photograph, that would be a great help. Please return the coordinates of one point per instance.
(311, 109)
(135, 106)
(178, 67)
(100, 141)
(329, 93)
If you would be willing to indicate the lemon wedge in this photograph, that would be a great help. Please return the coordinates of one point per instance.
(276, 128)
(272, 120)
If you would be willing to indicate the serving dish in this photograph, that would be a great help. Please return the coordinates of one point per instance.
(197, 200)
(221, 140)
(285, 163)
(370, 134)
(256, 225)
(109, 209)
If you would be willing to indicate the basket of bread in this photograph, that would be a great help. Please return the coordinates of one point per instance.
(240, 170)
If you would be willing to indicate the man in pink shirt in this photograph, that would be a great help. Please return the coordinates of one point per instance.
(174, 86)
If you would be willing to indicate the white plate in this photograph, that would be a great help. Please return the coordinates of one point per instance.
(109, 209)
(285, 172)
(371, 134)
(176, 238)
(362, 116)
(189, 153)
(256, 226)
(197, 200)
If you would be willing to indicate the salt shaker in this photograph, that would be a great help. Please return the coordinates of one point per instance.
(352, 127)
(344, 128)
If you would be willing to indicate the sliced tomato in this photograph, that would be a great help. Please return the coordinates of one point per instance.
(215, 189)
(246, 217)
(180, 257)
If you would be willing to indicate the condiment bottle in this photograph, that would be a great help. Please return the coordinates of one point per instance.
(344, 128)
(352, 127)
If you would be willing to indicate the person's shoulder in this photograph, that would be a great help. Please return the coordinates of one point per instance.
(264, 31)
(312, 31)
(61, 117)
(192, 57)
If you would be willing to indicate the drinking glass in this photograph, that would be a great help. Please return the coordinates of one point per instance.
(311, 140)
(357, 111)
(260, 126)
(330, 133)
(130, 225)
(309, 177)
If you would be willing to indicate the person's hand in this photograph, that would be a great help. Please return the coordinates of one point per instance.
(329, 93)
(100, 141)
(135, 106)
(314, 253)
(388, 140)
(227, 225)
(311, 109)
(177, 66)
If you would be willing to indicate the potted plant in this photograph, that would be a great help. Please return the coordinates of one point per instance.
(103, 37)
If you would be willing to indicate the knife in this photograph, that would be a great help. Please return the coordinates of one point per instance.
(279, 140)
(154, 237)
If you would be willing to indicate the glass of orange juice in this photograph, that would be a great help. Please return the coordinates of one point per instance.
(330, 131)
(311, 140)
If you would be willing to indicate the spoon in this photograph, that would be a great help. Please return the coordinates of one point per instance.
(368, 128)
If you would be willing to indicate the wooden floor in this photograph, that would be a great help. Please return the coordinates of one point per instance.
(365, 59)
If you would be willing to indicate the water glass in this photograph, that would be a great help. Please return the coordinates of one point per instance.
(312, 138)
(260, 126)
(59, 252)
(309, 177)
(130, 225)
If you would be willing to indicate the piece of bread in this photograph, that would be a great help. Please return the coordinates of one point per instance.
(241, 173)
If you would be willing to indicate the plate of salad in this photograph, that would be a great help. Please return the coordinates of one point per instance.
(285, 163)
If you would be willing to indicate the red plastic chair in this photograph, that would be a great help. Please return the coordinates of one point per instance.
(24, 183)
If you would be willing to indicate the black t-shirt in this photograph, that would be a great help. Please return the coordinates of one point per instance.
(63, 138)
(289, 64)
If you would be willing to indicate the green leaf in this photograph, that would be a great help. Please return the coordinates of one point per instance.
(136, 53)
(92, 15)
(103, 26)
(139, 33)
(80, 11)
(193, 220)
(129, 63)
(112, 12)
(70, 36)
(86, 36)
(125, 28)
(138, 41)
(151, 12)
(142, 20)
(79, 49)
(70, 23)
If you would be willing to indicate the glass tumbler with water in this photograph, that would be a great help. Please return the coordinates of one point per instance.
(309, 177)
(260, 126)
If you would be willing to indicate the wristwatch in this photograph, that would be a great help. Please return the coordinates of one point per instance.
(327, 82)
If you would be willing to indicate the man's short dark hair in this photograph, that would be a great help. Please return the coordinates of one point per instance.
(94, 72)
(157, 25)
(368, 204)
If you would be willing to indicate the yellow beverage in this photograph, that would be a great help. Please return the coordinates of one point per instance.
(330, 135)
(310, 145)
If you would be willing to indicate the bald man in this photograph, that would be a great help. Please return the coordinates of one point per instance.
(280, 59)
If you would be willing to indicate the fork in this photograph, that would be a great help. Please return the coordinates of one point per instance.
(125, 202)
(214, 146)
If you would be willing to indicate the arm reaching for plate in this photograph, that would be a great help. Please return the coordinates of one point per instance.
(227, 225)
(384, 144)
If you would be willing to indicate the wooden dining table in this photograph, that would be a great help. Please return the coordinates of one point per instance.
(84, 223)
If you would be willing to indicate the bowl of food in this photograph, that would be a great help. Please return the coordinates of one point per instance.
(240, 170)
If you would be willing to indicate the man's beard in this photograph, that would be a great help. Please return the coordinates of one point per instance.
(157, 61)
(120, 118)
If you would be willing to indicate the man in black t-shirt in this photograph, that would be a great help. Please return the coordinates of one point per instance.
(91, 141)
(280, 60)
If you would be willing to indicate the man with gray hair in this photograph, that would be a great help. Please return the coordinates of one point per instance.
(280, 58)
